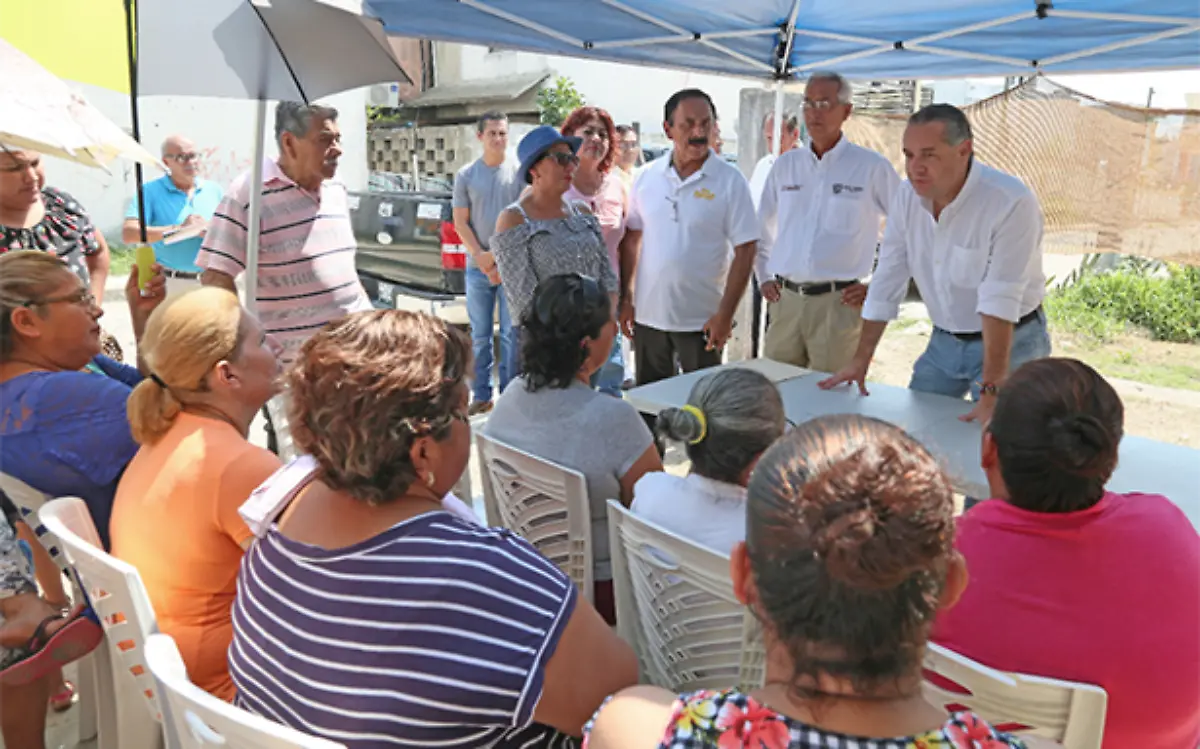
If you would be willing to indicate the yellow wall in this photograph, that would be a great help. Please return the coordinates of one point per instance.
(79, 40)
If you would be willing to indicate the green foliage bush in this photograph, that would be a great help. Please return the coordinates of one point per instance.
(1100, 305)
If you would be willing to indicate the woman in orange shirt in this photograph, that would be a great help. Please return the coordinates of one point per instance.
(175, 516)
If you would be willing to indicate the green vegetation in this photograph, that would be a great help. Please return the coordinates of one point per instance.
(558, 101)
(1163, 300)
(123, 257)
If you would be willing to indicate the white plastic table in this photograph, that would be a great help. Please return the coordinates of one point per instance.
(674, 391)
(1145, 465)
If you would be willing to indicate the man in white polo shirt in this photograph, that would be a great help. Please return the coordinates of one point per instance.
(821, 212)
(688, 250)
(971, 237)
(789, 139)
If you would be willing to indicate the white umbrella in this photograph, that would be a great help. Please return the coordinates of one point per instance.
(259, 49)
(39, 112)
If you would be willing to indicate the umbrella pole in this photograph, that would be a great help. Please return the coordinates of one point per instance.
(254, 225)
(131, 30)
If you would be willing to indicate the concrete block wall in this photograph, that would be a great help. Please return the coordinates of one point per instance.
(440, 150)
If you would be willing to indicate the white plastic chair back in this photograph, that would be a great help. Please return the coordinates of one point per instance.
(202, 720)
(28, 502)
(277, 408)
(676, 607)
(115, 591)
(1067, 712)
(542, 502)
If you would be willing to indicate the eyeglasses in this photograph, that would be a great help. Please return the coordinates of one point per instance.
(820, 105)
(562, 158)
(629, 145)
(81, 298)
(183, 158)
(581, 292)
(674, 208)
(589, 132)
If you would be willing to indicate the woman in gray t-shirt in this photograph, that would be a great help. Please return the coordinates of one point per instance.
(551, 411)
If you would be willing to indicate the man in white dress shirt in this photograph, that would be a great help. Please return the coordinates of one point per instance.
(971, 237)
(788, 138)
(688, 250)
(821, 212)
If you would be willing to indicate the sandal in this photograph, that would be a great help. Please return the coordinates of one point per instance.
(65, 697)
(47, 654)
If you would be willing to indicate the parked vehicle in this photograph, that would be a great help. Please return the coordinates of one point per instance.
(407, 246)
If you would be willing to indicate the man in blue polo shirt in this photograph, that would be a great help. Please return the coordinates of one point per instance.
(177, 202)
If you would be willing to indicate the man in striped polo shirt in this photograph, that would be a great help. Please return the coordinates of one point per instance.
(306, 271)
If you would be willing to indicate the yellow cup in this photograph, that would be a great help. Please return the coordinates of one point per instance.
(145, 265)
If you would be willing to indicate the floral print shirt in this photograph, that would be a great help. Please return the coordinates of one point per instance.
(734, 720)
(66, 230)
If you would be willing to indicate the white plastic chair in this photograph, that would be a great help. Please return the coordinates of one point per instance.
(29, 501)
(277, 408)
(202, 720)
(542, 502)
(1067, 712)
(676, 607)
(129, 715)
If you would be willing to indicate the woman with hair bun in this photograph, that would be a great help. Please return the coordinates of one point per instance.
(1070, 580)
(848, 555)
(552, 411)
(730, 418)
(175, 516)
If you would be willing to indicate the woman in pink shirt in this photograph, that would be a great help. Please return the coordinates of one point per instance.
(598, 186)
(1070, 581)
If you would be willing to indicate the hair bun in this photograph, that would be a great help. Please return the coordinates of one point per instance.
(679, 425)
(1082, 445)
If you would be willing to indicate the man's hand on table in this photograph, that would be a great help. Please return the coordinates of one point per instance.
(855, 371)
(982, 412)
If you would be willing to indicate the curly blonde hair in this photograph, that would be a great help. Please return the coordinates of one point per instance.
(366, 387)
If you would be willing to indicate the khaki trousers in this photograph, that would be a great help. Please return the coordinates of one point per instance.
(815, 332)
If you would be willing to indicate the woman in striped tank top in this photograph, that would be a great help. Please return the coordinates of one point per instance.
(367, 614)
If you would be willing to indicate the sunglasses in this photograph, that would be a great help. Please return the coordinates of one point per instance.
(562, 159)
(581, 292)
(183, 158)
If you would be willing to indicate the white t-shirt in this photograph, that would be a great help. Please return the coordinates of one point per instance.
(758, 180)
(707, 512)
(983, 256)
(689, 230)
(821, 218)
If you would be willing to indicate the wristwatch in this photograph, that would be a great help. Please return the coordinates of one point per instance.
(988, 388)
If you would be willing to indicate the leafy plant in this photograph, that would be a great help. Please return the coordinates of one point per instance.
(1163, 299)
(556, 102)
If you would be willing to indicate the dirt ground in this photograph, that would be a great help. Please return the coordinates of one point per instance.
(1167, 414)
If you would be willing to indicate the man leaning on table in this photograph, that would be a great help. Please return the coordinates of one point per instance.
(821, 212)
(178, 201)
(971, 238)
(689, 247)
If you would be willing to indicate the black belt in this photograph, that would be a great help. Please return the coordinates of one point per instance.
(813, 289)
(186, 275)
(1030, 317)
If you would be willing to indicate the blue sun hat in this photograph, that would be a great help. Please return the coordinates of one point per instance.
(536, 143)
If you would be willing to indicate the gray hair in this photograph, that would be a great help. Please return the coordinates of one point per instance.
(790, 121)
(953, 119)
(845, 91)
(297, 118)
(743, 415)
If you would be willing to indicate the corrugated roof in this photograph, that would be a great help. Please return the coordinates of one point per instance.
(505, 88)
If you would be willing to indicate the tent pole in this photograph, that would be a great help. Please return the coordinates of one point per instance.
(777, 122)
(254, 220)
(131, 30)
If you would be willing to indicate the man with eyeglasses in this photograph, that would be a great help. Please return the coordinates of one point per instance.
(179, 203)
(821, 212)
(688, 250)
(630, 155)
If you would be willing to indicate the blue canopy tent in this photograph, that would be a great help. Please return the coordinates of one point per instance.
(787, 39)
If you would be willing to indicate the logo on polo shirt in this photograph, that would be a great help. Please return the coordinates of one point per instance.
(704, 194)
(839, 188)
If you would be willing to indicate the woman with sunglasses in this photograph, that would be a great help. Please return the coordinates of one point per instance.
(543, 234)
(552, 411)
(64, 430)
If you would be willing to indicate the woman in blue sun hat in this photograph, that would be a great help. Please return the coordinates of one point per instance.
(543, 234)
